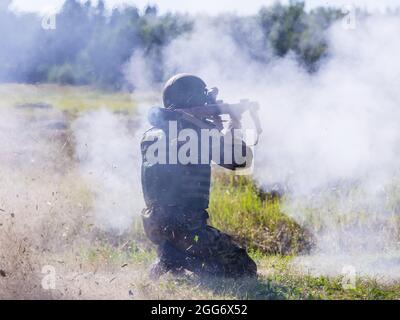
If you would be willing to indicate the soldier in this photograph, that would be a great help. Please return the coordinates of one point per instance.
(177, 195)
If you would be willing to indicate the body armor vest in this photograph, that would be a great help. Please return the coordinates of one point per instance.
(173, 184)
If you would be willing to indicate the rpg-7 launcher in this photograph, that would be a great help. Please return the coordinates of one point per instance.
(204, 116)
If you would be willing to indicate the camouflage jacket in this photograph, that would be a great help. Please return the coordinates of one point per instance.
(176, 184)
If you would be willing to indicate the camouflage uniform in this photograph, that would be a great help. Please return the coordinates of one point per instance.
(185, 241)
(177, 197)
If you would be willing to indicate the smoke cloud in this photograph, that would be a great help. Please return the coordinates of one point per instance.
(331, 138)
(109, 158)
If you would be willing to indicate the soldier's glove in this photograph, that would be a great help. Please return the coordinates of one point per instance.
(235, 122)
(217, 122)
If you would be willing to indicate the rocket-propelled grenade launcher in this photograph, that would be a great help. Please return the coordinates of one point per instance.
(203, 115)
(209, 116)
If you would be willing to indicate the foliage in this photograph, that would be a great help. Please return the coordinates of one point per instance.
(91, 45)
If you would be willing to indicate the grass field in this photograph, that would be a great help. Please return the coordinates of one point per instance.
(65, 98)
(47, 219)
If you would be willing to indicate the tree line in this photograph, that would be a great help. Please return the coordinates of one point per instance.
(90, 45)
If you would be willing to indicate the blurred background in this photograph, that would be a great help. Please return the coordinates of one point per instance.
(90, 42)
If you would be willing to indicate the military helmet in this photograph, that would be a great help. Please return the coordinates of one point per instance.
(184, 91)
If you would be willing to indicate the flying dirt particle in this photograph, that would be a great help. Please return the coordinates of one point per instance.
(3, 273)
(12, 215)
(124, 265)
(111, 280)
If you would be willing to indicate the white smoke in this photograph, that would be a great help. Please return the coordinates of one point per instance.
(109, 157)
(138, 72)
(339, 123)
(331, 138)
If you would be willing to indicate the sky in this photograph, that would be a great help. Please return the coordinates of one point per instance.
(204, 6)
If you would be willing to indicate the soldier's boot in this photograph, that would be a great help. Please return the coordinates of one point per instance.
(241, 266)
(170, 260)
(160, 268)
(157, 270)
(249, 270)
(204, 268)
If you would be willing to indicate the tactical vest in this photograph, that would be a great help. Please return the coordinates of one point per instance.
(173, 184)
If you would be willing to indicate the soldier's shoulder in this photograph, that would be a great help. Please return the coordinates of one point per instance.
(152, 135)
(153, 132)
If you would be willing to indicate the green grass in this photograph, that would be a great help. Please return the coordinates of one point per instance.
(239, 208)
(67, 98)
(108, 254)
(297, 285)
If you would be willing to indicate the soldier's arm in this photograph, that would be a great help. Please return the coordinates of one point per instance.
(241, 156)
(235, 154)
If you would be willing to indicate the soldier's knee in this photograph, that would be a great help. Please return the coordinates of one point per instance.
(249, 267)
(153, 231)
(240, 265)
